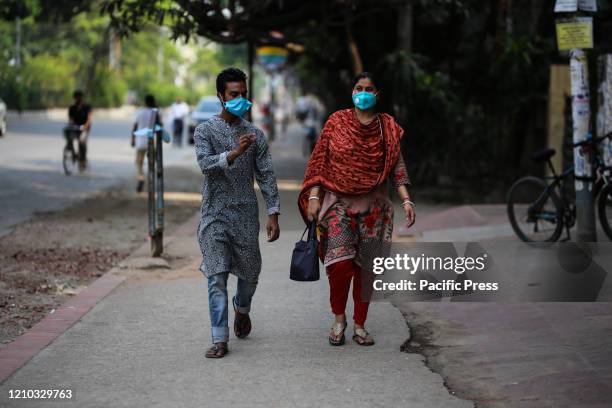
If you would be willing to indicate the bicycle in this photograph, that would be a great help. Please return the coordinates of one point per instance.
(70, 154)
(539, 210)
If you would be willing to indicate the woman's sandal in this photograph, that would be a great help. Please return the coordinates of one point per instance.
(218, 350)
(362, 337)
(337, 330)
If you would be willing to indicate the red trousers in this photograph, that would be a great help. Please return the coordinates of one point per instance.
(340, 275)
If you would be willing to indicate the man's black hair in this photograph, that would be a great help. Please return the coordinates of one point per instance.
(229, 75)
(150, 101)
(77, 94)
(364, 75)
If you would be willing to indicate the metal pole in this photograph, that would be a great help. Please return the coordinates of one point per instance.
(159, 232)
(581, 114)
(251, 61)
(604, 112)
(151, 179)
(272, 110)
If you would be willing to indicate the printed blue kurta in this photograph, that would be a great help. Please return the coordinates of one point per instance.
(228, 232)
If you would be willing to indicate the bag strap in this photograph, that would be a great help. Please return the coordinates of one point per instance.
(311, 228)
(312, 231)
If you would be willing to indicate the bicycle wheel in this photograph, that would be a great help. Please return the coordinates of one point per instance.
(534, 211)
(69, 159)
(604, 205)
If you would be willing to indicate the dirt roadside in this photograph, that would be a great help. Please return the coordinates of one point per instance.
(51, 257)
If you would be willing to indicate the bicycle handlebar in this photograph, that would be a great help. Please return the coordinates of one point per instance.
(74, 127)
(592, 141)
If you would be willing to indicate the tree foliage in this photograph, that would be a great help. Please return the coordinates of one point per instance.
(467, 79)
(65, 45)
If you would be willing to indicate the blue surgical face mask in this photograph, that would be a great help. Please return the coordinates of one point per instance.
(237, 106)
(364, 100)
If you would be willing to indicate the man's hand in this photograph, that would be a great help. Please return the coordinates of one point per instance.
(272, 228)
(314, 206)
(133, 142)
(243, 144)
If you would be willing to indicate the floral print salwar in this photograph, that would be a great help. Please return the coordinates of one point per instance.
(354, 227)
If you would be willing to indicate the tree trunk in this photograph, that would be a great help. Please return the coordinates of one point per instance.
(405, 26)
(537, 7)
(354, 51)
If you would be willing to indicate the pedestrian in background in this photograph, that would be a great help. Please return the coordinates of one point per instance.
(346, 189)
(143, 120)
(178, 112)
(233, 153)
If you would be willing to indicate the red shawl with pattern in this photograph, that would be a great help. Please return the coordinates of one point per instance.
(350, 158)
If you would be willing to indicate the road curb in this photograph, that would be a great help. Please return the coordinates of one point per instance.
(17, 353)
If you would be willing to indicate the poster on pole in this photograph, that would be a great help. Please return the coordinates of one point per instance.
(272, 58)
(581, 113)
(570, 6)
(575, 33)
(604, 113)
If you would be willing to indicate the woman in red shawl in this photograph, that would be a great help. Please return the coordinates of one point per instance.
(346, 190)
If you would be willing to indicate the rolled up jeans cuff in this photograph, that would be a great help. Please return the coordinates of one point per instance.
(220, 334)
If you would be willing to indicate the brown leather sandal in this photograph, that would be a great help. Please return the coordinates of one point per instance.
(218, 350)
(242, 325)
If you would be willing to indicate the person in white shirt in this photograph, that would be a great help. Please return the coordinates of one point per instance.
(140, 142)
(178, 111)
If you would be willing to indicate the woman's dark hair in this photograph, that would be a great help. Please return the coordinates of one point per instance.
(229, 75)
(365, 75)
(77, 94)
(150, 101)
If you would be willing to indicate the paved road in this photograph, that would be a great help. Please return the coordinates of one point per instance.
(31, 177)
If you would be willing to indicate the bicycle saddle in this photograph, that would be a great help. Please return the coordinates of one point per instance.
(544, 154)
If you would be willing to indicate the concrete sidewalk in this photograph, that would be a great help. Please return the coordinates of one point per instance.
(143, 346)
(511, 355)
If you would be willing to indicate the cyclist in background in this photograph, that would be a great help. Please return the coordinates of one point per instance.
(80, 114)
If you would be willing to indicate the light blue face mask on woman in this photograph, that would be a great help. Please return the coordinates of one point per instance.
(238, 106)
(364, 100)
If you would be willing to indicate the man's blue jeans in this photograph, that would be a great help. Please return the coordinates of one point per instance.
(217, 303)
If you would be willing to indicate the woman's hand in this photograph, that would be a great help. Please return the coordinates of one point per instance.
(410, 215)
(314, 206)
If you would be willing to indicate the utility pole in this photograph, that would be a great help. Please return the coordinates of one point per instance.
(160, 55)
(583, 170)
(114, 51)
(576, 34)
(18, 42)
(604, 111)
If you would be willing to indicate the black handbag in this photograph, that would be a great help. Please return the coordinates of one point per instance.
(305, 259)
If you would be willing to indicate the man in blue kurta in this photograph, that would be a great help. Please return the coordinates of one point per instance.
(233, 153)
